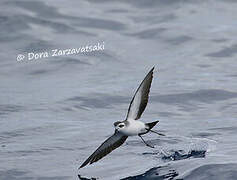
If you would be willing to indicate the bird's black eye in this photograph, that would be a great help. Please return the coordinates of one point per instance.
(121, 125)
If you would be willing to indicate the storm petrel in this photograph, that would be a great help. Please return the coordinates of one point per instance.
(131, 126)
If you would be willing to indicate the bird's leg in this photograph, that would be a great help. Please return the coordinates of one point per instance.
(146, 142)
(157, 133)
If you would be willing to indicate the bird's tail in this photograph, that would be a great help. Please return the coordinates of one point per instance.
(151, 125)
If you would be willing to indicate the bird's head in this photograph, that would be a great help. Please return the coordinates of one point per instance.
(119, 125)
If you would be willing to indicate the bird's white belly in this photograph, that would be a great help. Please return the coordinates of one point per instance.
(134, 128)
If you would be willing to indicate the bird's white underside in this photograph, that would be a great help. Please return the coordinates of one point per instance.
(134, 128)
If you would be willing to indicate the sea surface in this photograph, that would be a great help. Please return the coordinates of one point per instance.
(55, 111)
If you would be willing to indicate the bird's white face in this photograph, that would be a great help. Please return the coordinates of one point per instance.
(120, 126)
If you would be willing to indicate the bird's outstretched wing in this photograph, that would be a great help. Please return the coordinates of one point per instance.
(140, 99)
(113, 142)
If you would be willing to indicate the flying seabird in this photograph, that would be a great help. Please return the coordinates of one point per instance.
(131, 126)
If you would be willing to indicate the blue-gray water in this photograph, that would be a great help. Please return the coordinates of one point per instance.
(55, 111)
